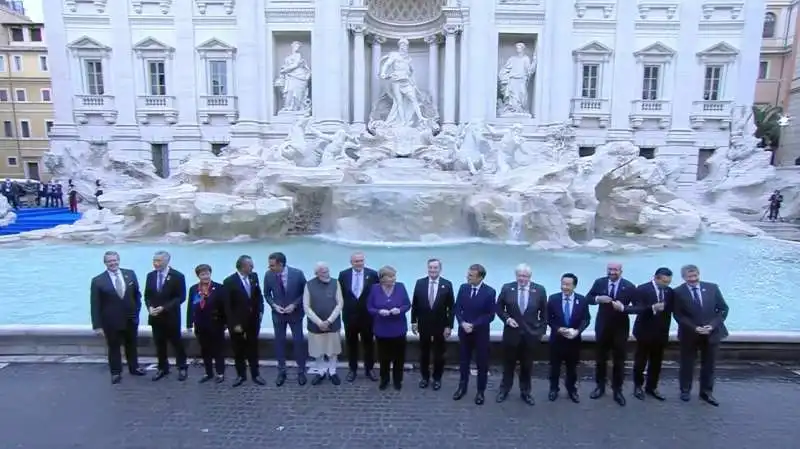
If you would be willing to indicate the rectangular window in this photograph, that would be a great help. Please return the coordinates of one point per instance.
(3, 95)
(8, 128)
(17, 35)
(218, 78)
(17, 63)
(36, 34)
(647, 153)
(45, 95)
(94, 77)
(702, 157)
(589, 81)
(216, 148)
(24, 128)
(585, 151)
(11, 161)
(43, 65)
(48, 126)
(21, 95)
(160, 156)
(712, 83)
(2, 63)
(651, 82)
(157, 77)
(763, 70)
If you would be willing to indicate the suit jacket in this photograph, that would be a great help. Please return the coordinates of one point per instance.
(532, 321)
(579, 318)
(608, 319)
(433, 320)
(212, 314)
(241, 309)
(110, 312)
(478, 311)
(649, 326)
(171, 296)
(689, 315)
(276, 294)
(355, 309)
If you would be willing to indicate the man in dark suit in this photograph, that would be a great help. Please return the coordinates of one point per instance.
(164, 292)
(568, 316)
(283, 290)
(653, 303)
(115, 303)
(522, 307)
(244, 308)
(700, 311)
(474, 310)
(613, 294)
(432, 318)
(356, 283)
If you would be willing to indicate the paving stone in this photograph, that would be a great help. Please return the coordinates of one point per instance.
(62, 406)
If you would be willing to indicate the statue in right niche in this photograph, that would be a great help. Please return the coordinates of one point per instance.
(513, 82)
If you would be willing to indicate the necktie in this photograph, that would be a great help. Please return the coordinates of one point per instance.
(357, 284)
(119, 286)
(246, 282)
(696, 296)
(612, 290)
(660, 294)
(431, 293)
(474, 292)
(160, 280)
(567, 311)
(281, 287)
(522, 299)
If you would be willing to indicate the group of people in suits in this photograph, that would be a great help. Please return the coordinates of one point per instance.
(371, 306)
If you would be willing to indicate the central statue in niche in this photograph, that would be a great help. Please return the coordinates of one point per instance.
(402, 104)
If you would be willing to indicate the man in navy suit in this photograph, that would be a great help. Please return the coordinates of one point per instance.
(164, 292)
(568, 316)
(474, 310)
(700, 311)
(356, 283)
(614, 295)
(115, 303)
(283, 290)
(244, 308)
(654, 305)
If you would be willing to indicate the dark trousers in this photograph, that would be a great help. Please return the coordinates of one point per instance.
(391, 358)
(12, 201)
(73, 205)
(431, 342)
(298, 348)
(566, 353)
(708, 360)
(773, 212)
(476, 345)
(127, 338)
(168, 334)
(245, 350)
(650, 355)
(38, 200)
(212, 341)
(355, 334)
(613, 344)
(521, 353)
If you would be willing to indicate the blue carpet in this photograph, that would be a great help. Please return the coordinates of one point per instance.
(34, 219)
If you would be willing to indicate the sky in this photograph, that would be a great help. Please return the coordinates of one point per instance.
(33, 9)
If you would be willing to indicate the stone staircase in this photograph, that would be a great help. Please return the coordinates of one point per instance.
(785, 230)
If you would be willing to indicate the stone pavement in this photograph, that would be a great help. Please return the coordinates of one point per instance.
(64, 406)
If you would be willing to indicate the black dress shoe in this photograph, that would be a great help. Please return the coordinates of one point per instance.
(619, 398)
(685, 397)
(709, 399)
(398, 386)
(205, 379)
(437, 385)
(552, 396)
(502, 395)
(182, 374)
(423, 383)
(573, 396)
(335, 379)
(317, 379)
(137, 372)
(351, 376)
(115, 379)
(527, 398)
(301, 379)
(460, 392)
(383, 385)
(160, 375)
(280, 379)
(259, 380)
(597, 393)
(371, 375)
(219, 378)
(479, 398)
(656, 394)
(238, 381)
(638, 393)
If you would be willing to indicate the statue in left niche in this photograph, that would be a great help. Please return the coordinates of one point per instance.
(513, 81)
(293, 80)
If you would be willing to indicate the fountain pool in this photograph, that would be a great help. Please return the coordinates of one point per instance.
(49, 284)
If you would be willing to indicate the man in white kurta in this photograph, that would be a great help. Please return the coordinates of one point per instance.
(323, 302)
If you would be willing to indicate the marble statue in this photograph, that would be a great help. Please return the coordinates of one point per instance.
(293, 81)
(510, 143)
(513, 81)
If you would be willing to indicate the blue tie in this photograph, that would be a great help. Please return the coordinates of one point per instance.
(567, 311)
(160, 284)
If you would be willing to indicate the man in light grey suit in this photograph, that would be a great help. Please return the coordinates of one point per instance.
(283, 290)
(522, 307)
(700, 311)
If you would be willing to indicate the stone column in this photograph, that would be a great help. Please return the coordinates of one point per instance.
(375, 81)
(686, 68)
(450, 73)
(433, 68)
(556, 61)
(622, 68)
(328, 52)
(187, 137)
(126, 134)
(62, 92)
(248, 83)
(359, 74)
